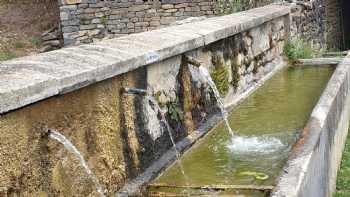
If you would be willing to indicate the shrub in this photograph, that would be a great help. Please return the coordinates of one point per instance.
(297, 49)
(19, 45)
(6, 55)
(35, 41)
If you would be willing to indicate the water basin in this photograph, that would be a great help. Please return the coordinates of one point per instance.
(266, 124)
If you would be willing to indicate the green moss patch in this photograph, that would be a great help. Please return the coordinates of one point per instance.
(220, 75)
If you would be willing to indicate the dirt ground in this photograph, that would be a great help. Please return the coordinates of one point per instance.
(21, 24)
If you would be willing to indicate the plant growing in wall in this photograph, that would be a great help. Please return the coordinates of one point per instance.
(229, 6)
(104, 20)
(175, 111)
(297, 49)
(220, 75)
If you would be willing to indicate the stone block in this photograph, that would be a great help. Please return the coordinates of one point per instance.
(70, 29)
(70, 2)
(167, 6)
(167, 20)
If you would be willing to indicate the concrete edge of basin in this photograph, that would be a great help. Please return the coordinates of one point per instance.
(134, 186)
(314, 160)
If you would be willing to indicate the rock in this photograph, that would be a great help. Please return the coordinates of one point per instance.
(54, 43)
(46, 48)
(50, 36)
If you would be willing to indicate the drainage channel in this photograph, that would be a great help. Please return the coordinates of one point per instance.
(267, 124)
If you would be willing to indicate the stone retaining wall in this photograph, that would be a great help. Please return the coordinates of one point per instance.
(312, 168)
(309, 22)
(87, 20)
(77, 91)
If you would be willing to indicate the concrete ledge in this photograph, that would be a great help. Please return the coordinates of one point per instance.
(312, 167)
(30, 79)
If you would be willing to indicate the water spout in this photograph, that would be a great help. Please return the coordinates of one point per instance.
(205, 73)
(72, 149)
(136, 91)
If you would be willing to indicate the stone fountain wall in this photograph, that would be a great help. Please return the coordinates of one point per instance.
(77, 91)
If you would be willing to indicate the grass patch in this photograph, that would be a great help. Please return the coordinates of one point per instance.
(297, 49)
(19, 45)
(343, 179)
(35, 41)
(6, 55)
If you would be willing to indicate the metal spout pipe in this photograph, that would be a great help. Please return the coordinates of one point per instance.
(136, 91)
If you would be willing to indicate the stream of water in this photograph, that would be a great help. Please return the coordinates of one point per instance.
(205, 73)
(72, 149)
(168, 128)
(266, 124)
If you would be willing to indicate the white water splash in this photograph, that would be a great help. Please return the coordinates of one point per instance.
(71, 148)
(205, 73)
(263, 144)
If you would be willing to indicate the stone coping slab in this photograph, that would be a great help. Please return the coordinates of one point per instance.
(33, 78)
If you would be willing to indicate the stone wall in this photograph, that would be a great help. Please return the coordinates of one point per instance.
(87, 20)
(309, 22)
(334, 15)
(320, 22)
(78, 92)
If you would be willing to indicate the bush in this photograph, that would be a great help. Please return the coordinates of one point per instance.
(6, 55)
(36, 41)
(297, 49)
(19, 45)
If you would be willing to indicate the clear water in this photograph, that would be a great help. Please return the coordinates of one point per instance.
(267, 124)
(72, 149)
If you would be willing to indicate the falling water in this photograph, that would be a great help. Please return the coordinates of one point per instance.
(71, 148)
(205, 73)
(168, 128)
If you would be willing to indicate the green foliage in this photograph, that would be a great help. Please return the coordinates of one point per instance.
(343, 179)
(220, 75)
(19, 45)
(223, 7)
(175, 112)
(7, 55)
(35, 41)
(104, 20)
(297, 49)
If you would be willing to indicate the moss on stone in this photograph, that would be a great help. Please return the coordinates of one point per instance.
(220, 75)
(235, 75)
